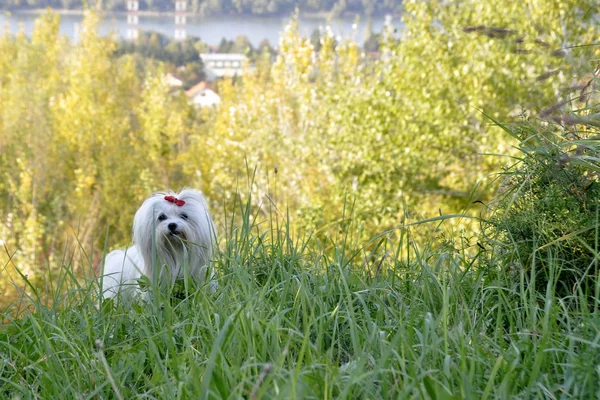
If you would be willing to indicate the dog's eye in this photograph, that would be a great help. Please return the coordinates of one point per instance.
(162, 217)
(184, 216)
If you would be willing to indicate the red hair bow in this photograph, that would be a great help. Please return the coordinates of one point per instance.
(174, 200)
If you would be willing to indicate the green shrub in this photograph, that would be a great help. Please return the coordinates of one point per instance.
(545, 218)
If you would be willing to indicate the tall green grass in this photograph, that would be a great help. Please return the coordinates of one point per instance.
(299, 318)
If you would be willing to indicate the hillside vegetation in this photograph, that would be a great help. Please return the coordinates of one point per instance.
(85, 136)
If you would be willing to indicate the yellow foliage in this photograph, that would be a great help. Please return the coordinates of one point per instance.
(85, 136)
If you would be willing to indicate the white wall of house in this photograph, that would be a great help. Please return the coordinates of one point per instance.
(206, 98)
(219, 65)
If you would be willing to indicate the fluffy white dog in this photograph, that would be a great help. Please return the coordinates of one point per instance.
(169, 229)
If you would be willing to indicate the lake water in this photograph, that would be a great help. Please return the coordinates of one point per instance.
(210, 29)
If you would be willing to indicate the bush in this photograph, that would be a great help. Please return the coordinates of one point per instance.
(545, 218)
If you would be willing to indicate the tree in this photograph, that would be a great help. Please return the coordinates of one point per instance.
(407, 132)
(242, 45)
(225, 46)
(315, 39)
(373, 43)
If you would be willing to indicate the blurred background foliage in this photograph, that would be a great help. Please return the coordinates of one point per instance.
(86, 135)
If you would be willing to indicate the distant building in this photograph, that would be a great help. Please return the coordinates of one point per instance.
(220, 65)
(173, 81)
(202, 95)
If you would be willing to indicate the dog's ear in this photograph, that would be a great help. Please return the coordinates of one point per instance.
(144, 224)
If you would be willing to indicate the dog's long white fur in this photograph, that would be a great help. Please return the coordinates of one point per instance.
(181, 237)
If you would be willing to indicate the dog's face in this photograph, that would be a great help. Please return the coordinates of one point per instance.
(175, 225)
(172, 223)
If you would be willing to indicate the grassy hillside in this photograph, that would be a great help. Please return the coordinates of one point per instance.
(303, 319)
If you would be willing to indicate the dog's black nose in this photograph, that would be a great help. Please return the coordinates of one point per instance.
(172, 227)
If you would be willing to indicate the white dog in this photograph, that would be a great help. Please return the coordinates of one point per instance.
(170, 229)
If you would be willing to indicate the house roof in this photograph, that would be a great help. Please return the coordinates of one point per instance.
(197, 88)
